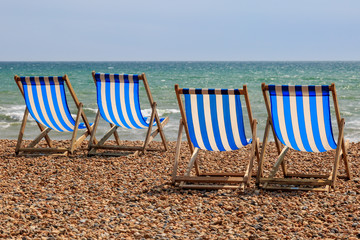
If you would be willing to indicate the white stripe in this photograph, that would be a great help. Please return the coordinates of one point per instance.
(195, 118)
(61, 106)
(307, 116)
(222, 129)
(294, 118)
(31, 98)
(113, 102)
(42, 105)
(51, 104)
(132, 102)
(320, 115)
(122, 101)
(208, 122)
(103, 97)
(281, 115)
(234, 124)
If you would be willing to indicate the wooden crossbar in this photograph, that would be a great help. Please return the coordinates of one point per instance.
(210, 179)
(315, 189)
(197, 186)
(294, 181)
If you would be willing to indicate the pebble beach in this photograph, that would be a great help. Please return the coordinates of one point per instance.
(127, 197)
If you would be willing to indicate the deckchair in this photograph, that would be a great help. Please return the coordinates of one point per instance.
(119, 105)
(46, 102)
(213, 121)
(300, 119)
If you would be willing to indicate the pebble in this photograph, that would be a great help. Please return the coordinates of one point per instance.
(82, 197)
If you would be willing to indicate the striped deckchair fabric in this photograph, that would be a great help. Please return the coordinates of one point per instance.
(45, 100)
(118, 100)
(213, 121)
(300, 118)
(119, 104)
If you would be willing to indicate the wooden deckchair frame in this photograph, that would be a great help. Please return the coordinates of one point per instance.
(218, 180)
(149, 135)
(74, 143)
(292, 181)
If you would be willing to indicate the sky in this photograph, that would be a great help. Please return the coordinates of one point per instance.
(186, 30)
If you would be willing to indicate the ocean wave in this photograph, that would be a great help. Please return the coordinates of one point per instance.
(12, 113)
(4, 125)
(161, 112)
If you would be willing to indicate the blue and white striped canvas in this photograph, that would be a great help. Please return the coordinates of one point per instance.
(215, 119)
(301, 117)
(46, 101)
(118, 100)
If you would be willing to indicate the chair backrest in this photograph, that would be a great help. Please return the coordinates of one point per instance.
(301, 117)
(214, 118)
(46, 101)
(118, 99)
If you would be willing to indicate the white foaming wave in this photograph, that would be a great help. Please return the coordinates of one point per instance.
(93, 110)
(4, 125)
(161, 112)
(15, 112)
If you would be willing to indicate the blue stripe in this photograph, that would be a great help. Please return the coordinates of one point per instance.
(27, 100)
(301, 118)
(126, 96)
(327, 117)
(202, 123)
(240, 121)
(47, 106)
(189, 120)
(118, 103)
(137, 102)
(227, 121)
(128, 101)
(288, 118)
(215, 123)
(314, 119)
(64, 101)
(108, 102)
(101, 101)
(274, 113)
(56, 103)
(36, 102)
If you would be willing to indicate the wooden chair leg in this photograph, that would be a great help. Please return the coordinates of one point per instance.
(344, 147)
(76, 127)
(337, 154)
(116, 135)
(47, 138)
(177, 151)
(39, 137)
(150, 127)
(22, 130)
(192, 161)
(277, 164)
(93, 133)
(263, 148)
(160, 128)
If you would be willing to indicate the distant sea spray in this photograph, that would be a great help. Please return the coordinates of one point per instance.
(162, 77)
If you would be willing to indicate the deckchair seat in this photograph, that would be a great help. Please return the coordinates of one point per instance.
(213, 121)
(45, 100)
(119, 104)
(300, 118)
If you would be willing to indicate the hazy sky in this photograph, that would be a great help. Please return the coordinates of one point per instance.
(162, 30)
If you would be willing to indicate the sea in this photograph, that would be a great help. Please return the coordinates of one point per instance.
(162, 76)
